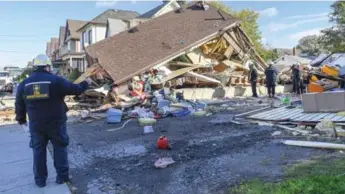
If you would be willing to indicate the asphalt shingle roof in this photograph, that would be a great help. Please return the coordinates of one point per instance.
(73, 26)
(126, 54)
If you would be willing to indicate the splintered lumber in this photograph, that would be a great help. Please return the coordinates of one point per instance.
(230, 64)
(203, 78)
(255, 53)
(178, 72)
(233, 44)
(181, 64)
(89, 72)
(314, 144)
(228, 52)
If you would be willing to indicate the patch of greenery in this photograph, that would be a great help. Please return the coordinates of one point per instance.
(74, 75)
(323, 176)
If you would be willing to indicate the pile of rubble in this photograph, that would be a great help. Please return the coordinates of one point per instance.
(201, 47)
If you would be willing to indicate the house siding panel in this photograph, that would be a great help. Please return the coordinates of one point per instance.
(117, 27)
(99, 33)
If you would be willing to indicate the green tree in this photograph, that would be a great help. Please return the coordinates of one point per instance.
(249, 23)
(74, 75)
(26, 73)
(310, 45)
(333, 38)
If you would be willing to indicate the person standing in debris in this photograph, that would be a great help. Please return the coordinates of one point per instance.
(296, 79)
(253, 75)
(271, 78)
(41, 96)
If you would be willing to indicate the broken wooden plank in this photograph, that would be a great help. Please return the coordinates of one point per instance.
(178, 72)
(228, 52)
(230, 64)
(181, 64)
(253, 111)
(314, 144)
(89, 72)
(203, 78)
(233, 44)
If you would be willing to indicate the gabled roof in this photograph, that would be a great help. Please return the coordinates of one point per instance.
(127, 54)
(151, 13)
(62, 35)
(73, 26)
(111, 13)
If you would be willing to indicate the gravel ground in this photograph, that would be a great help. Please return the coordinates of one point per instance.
(210, 158)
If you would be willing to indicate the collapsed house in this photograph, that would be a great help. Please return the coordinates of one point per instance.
(194, 46)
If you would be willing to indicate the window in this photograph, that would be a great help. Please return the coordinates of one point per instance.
(90, 37)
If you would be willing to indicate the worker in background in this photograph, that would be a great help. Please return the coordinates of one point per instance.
(271, 78)
(41, 96)
(252, 77)
(292, 79)
(296, 79)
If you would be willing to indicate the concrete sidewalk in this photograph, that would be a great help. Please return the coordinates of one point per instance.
(16, 174)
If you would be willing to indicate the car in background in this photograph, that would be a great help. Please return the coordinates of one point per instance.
(6, 82)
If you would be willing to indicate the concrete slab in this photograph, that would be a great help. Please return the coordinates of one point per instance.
(16, 174)
(228, 92)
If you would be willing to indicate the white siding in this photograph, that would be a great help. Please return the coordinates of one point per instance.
(116, 26)
(172, 6)
(99, 33)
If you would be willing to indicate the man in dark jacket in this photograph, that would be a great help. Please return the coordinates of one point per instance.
(271, 78)
(41, 96)
(296, 79)
(253, 76)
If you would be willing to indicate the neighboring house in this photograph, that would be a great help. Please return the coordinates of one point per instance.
(57, 61)
(95, 30)
(164, 8)
(289, 60)
(116, 25)
(48, 48)
(61, 41)
(71, 52)
(54, 46)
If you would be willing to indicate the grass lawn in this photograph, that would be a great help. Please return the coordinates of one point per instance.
(322, 176)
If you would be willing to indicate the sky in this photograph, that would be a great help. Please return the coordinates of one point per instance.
(27, 26)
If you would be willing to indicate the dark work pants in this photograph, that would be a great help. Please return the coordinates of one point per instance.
(271, 89)
(253, 84)
(40, 136)
(298, 86)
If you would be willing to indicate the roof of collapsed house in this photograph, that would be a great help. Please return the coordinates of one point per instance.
(131, 52)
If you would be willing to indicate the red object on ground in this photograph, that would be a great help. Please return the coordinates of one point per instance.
(162, 143)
